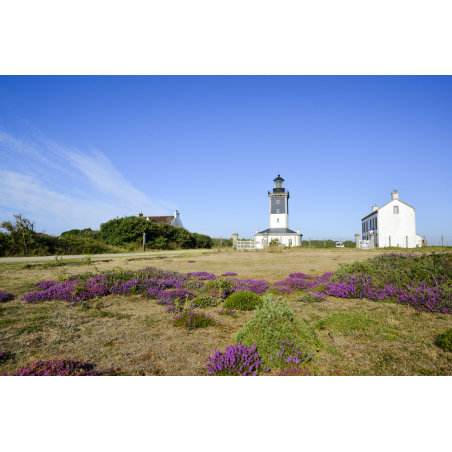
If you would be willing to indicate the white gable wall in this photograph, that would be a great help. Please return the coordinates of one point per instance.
(398, 226)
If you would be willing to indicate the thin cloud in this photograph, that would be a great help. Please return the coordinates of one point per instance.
(44, 178)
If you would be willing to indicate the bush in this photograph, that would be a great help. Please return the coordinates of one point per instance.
(312, 297)
(236, 360)
(122, 231)
(60, 367)
(243, 301)
(170, 297)
(192, 320)
(202, 241)
(204, 301)
(444, 340)
(275, 322)
(23, 240)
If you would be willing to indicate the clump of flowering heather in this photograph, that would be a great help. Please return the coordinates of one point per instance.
(229, 274)
(301, 281)
(60, 367)
(191, 261)
(258, 287)
(289, 355)
(204, 301)
(170, 309)
(312, 297)
(148, 281)
(193, 320)
(201, 275)
(5, 296)
(4, 355)
(236, 360)
(171, 296)
(418, 280)
(420, 296)
(243, 301)
(229, 312)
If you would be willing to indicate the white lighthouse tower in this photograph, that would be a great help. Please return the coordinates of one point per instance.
(278, 231)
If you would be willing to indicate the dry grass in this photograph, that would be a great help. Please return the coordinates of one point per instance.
(359, 337)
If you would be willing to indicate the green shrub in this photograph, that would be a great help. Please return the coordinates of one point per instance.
(204, 301)
(444, 340)
(122, 231)
(23, 240)
(243, 301)
(202, 240)
(275, 322)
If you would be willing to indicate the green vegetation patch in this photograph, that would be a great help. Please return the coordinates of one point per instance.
(346, 322)
(243, 301)
(444, 340)
(275, 322)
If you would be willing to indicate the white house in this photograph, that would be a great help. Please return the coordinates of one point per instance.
(393, 224)
(278, 231)
(174, 220)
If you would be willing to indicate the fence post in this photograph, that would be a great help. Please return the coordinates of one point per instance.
(389, 241)
(235, 236)
(144, 241)
(442, 240)
(340, 240)
(425, 243)
(407, 241)
(324, 241)
(357, 240)
(309, 242)
(372, 241)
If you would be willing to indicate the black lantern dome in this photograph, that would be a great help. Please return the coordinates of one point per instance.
(278, 185)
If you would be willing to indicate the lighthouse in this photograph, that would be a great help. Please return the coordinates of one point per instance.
(278, 230)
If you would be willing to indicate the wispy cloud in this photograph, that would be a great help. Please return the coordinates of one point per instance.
(64, 187)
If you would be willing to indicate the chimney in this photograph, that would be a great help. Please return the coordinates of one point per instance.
(176, 214)
(394, 194)
(140, 214)
(374, 208)
(298, 231)
(257, 230)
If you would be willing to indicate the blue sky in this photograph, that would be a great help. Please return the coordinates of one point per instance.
(78, 151)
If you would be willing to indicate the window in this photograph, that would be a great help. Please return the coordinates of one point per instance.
(277, 210)
(376, 223)
(396, 209)
(277, 201)
(277, 220)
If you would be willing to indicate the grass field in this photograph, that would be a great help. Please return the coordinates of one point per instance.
(135, 335)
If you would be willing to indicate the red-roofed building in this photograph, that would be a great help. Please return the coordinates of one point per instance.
(174, 220)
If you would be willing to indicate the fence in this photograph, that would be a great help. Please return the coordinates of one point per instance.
(437, 240)
(330, 242)
(246, 245)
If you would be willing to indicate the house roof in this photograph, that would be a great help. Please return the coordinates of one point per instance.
(280, 231)
(376, 211)
(160, 219)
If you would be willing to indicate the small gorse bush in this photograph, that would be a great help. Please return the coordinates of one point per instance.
(243, 301)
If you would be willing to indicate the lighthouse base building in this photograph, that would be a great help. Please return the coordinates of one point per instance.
(278, 232)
